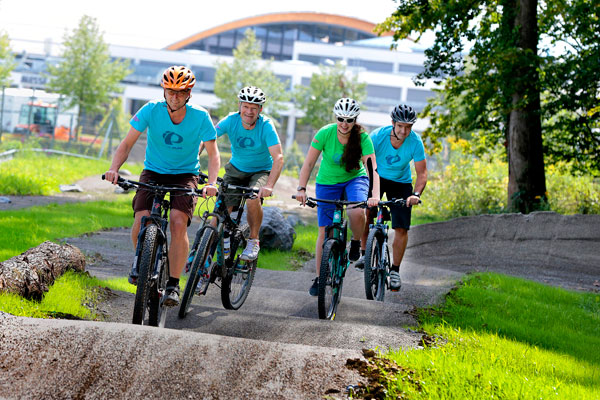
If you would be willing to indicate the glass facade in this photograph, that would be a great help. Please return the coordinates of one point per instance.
(277, 39)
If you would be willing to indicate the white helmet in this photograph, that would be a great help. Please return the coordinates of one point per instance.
(252, 94)
(347, 108)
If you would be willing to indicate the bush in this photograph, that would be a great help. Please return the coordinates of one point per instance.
(473, 186)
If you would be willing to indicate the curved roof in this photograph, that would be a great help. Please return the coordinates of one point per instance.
(330, 19)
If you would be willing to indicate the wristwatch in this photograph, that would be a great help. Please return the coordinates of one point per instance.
(417, 194)
(299, 188)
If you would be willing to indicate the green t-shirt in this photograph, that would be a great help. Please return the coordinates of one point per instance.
(331, 170)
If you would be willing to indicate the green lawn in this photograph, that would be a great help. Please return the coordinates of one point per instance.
(500, 337)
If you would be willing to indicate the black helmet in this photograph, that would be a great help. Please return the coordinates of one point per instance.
(404, 113)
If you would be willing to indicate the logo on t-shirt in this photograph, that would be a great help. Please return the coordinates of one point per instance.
(392, 159)
(245, 142)
(172, 138)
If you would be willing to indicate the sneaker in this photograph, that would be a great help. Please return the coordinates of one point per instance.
(314, 289)
(171, 296)
(250, 253)
(133, 275)
(395, 282)
(360, 264)
(354, 250)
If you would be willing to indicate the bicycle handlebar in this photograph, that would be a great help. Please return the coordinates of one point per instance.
(312, 202)
(130, 184)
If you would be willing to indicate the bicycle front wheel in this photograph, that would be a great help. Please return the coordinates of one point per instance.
(329, 280)
(157, 312)
(375, 268)
(199, 272)
(148, 258)
(238, 279)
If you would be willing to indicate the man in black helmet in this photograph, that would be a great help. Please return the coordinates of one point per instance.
(395, 146)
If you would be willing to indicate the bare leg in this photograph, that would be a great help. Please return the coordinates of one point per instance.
(319, 248)
(135, 229)
(399, 245)
(357, 219)
(180, 243)
(255, 216)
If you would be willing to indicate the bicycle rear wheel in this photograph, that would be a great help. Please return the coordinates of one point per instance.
(238, 280)
(374, 270)
(199, 273)
(329, 281)
(148, 258)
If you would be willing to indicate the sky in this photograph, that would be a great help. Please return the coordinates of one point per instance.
(156, 24)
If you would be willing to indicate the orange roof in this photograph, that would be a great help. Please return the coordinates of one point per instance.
(329, 19)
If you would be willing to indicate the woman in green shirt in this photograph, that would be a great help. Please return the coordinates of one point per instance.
(346, 147)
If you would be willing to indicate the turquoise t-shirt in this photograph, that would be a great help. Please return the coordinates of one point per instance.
(173, 148)
(249, 147)
(331, 170)
(394, 164)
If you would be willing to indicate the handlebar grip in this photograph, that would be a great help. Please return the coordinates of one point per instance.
(119, 180)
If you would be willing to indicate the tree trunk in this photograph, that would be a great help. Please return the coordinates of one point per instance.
(30, 274)
(526, 177)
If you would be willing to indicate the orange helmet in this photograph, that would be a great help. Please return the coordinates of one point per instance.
(178, 78)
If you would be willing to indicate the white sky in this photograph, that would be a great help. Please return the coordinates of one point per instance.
(156, 24)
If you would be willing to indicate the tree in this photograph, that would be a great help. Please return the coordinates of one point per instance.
(7, 63)
(325, 88)
(502, 89)
(248, 69)
(86, 76)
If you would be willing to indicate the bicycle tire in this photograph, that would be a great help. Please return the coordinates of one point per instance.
(202, 253)
(237, 281)
(373, 276)
(329, 287)
(157, 312)
(148, 255)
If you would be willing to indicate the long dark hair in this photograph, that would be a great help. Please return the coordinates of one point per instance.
(353, 150)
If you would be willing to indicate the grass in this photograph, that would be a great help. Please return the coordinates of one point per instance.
(34, 173)
(72, 293)
(502, 337)
(27, 228)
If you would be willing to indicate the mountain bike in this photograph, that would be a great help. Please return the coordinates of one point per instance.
(334, 260)
(235, 275)
(377, 255)
(152, 253)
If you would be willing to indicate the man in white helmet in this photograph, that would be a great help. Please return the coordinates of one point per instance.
(256, 158)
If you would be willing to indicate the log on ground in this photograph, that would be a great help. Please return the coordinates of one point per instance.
(31, 273)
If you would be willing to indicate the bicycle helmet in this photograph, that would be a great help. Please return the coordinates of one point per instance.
(404, 113)
(252, 94)
(347, 108)
(178, 78)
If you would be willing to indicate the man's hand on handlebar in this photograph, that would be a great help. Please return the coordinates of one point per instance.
(112, 176)
(209, 190)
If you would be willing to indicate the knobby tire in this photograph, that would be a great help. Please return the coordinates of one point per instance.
(375, 270)
(148, 258)
(329, 291)
(202, 254)
(238, 280)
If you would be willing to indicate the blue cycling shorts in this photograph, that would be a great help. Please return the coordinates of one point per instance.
(356, 189)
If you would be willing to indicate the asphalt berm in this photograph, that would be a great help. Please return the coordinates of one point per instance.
(275, 347)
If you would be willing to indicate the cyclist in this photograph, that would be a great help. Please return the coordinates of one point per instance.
(346, 147)
(395, 146)
(256, 158)
(175, 131)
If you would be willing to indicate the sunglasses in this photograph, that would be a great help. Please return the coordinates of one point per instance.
(346, 120)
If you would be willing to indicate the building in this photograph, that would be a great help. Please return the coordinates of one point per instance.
(298, 43)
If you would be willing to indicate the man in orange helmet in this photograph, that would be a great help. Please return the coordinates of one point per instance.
(176, 130)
